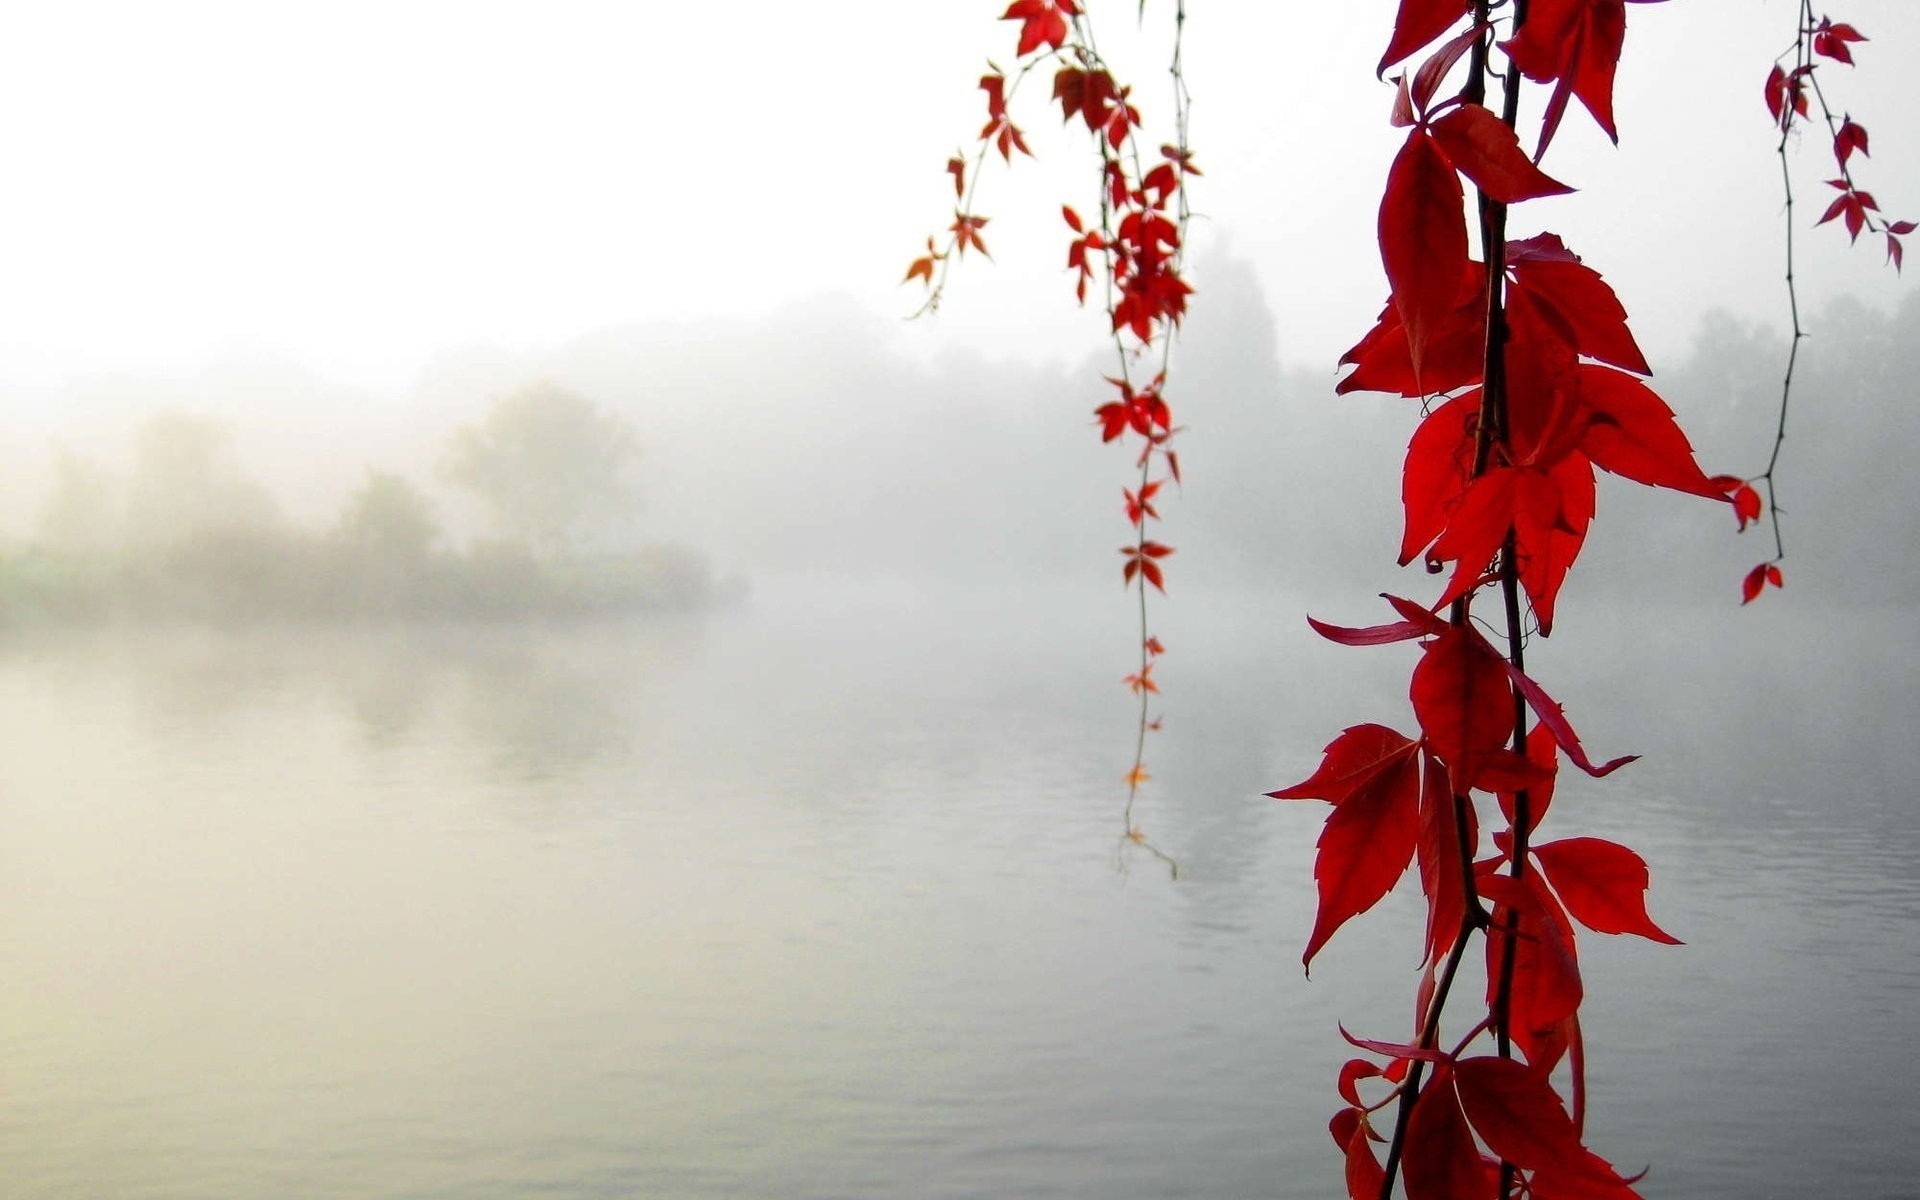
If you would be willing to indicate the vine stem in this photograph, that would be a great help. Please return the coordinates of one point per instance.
(1490, 435)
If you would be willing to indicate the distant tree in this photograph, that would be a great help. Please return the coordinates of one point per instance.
(388, 521)
(80, 515)
(186, 484)
(551, 468)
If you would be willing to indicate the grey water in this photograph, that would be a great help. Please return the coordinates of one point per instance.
(825, 896)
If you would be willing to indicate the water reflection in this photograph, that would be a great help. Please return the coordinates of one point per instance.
(817, 899)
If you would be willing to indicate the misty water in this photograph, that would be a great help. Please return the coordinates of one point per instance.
(824, 896)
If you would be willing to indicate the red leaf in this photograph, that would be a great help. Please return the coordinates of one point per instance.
(1476, 529)
(1371, 776)
(1427, 80)
(1441, 858)
(1745, 499)
(966, 232)
(1365, 1177)
(1541, 752)
(1486, 150)
(1603, 884)
(1555, 719)
(1416, 25)
(1576, 294)
(1372, 635)
(1577, 43)
(1546, 978)
(1632, 433)
(1441, 1161)
(1438, 469)
(1520, 1117)
(1351, 1074)
(1423, 240)
(1848, 139)
(1456, 348)
(1831, 40)
(1757, 580)
(1044, 22)
(1401, 1051)
(1464, 703)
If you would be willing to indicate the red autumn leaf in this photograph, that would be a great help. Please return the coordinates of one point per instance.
(1486, 150)
(1546, 986)
(1044, 22)
(921, 268)
(1365, 1177)
(1371, 775)
(1373, 635)
(1476, 529)
(1441, 1160)
(1140, 506)
(1521, 1118)
(995, 86)
(1556, 279)
(1463, 702)
(1438, 469)
(1541, 751)
(1847, 140)
(966, 232)
(1423, 240)
(1141, 560)
(1442, 856)
(1576, 43)
(1757, 580)
(1787, 94)
(1354, 1070)
(1456, 348)
(1555, 719)
(1426, 81)
(1399, 1051)
(1831, 40)
(1603, 884)
(1631, 432)
(1551, 514)
(1851, 205)
(1745, 499)
(1417, 24)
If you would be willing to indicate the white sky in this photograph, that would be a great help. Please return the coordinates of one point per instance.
(357, 185)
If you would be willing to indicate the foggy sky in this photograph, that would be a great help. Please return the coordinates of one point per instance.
(359, 187)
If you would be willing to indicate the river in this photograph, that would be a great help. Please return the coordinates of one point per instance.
(823, 897)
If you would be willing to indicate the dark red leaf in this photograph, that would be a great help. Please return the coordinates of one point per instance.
(1603, 884)
(1438, 469)
(1396, 1050)
(1423, 240)
(1365, 1176)
(1427, 80)
(1486, 150)
(1517, 1113)
(1575, 43)
(1441, 858)
(1555, 719)
(1541, 751)
(1416, 25)
(1372, 635)
(1464, 703)
(1631, 432)
(1579, 297)
(1441, 1160)
(1044, 22)
(1371, 776)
